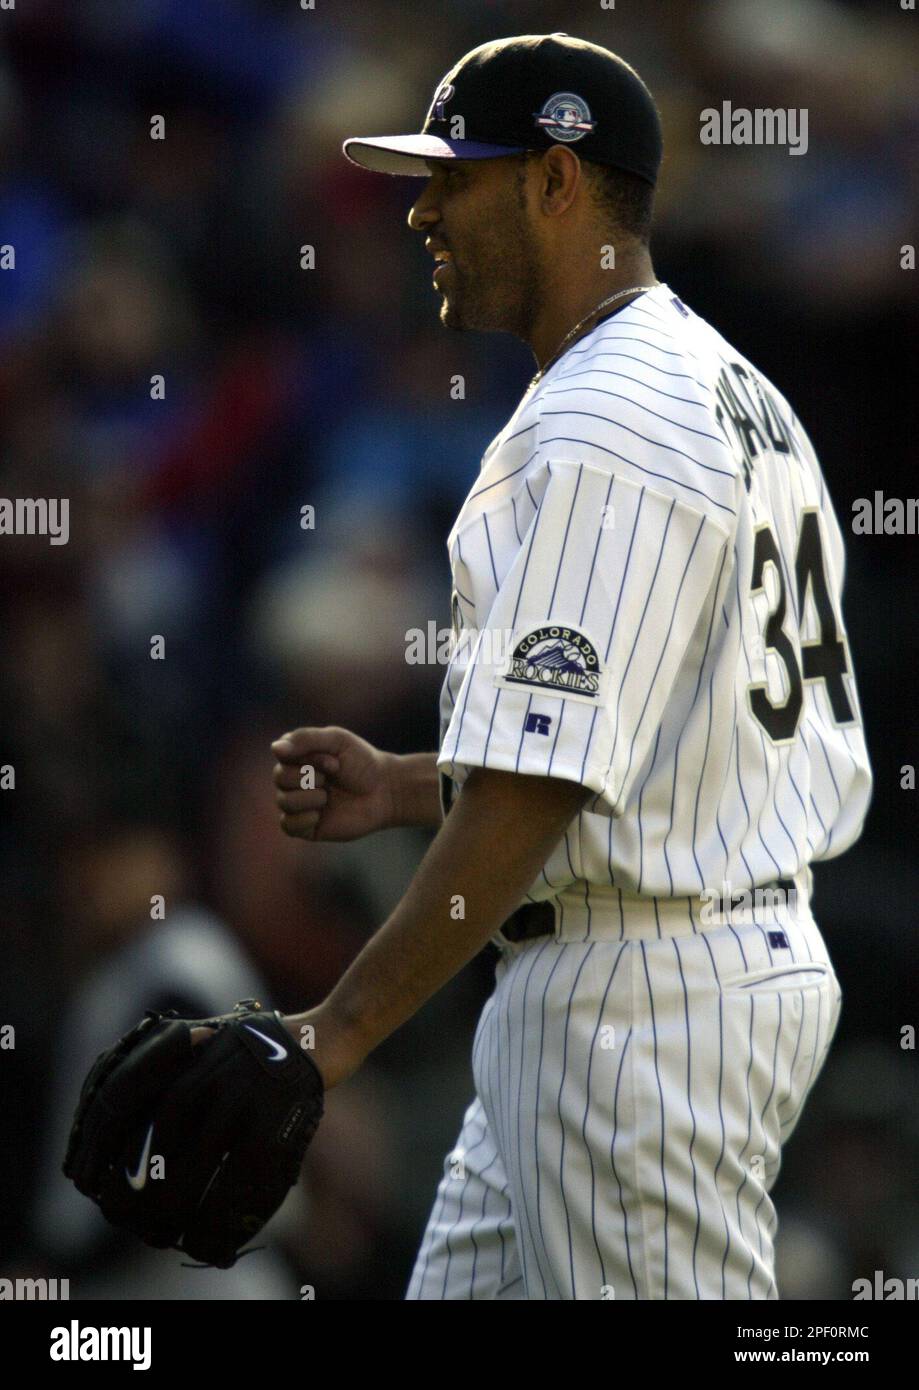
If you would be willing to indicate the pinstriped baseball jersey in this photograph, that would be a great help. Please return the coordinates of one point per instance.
(647, 581)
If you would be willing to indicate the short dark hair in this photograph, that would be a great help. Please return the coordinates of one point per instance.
(625, 200)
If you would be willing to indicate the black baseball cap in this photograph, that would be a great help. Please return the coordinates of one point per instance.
(526, 93)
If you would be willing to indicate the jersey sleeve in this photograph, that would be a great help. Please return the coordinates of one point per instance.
(586, 634)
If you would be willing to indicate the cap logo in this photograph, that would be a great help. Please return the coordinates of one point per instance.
(441, 97)
(565, 117)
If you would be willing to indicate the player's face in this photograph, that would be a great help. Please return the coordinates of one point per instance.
(475, 211)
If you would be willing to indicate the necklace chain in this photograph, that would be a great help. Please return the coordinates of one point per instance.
(621, 294)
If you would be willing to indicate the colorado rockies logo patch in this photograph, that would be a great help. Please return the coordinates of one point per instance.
(555, 659)
(444, 93)
(565, 117)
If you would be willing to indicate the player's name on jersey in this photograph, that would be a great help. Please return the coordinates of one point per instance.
(36, 516)
(890, 516)
(749, 414)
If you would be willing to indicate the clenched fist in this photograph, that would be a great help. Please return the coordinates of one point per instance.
(333, 785)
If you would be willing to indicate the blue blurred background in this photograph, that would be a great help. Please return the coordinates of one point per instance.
(330, 387)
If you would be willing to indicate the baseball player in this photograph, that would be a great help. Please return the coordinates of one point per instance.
(650, 731)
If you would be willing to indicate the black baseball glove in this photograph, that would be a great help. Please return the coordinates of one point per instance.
(196, 1146)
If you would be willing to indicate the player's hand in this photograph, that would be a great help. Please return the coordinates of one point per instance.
(353, 791)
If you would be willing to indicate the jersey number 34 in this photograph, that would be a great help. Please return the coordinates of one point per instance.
(821, 660)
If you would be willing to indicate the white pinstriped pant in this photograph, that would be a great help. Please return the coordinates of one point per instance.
(636, 1078)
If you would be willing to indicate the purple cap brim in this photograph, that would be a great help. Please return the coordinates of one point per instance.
(408, 154)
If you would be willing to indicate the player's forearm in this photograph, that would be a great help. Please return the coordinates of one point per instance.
(489, 850)
(416, 790)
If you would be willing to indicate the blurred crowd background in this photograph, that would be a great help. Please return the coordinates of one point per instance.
(330, 388)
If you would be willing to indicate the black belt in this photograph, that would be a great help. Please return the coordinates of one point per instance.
(533, 919)
(725, 905)
(538, 919)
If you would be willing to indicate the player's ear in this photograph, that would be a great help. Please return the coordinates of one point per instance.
(560, 172)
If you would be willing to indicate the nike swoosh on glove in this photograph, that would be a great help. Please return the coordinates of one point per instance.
(196, 1147)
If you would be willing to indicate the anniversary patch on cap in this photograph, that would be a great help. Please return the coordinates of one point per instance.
(555, 659)
(565, 117)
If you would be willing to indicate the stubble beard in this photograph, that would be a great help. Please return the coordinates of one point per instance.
(506, 297)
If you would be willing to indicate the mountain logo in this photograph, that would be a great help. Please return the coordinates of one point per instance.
(555, 658)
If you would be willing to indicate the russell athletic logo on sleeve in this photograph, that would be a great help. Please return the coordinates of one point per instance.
(557, 659)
